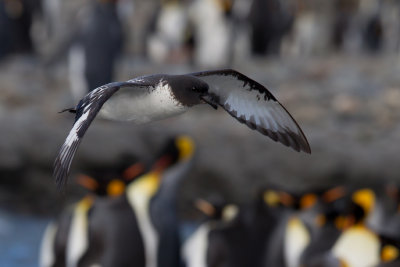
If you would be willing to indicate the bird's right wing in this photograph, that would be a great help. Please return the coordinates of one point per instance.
(86, 111)
(252, 104)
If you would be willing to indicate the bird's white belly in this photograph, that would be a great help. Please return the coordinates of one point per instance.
(140, 106)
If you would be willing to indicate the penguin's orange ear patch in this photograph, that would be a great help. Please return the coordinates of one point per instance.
(87, 182)
(365, 198)
(115, 188)
(287, 199)
(162, 163)
(389, 253)
(271, 198)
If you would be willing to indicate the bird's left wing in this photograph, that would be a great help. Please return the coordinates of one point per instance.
(86, 111)
(252, 104)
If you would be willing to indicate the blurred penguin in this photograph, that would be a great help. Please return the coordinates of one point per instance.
(325, 221)
(373, 34)
(96, 46)
(213, 29)
(351, 239)
(67, 240)
(311, 30)
(389, 252)
(16, 18)
(51, 16)
(358, 247)
(154, 200)
(269, 21)
(141, 226)
(104, 232)
(344, 13)
(255, 236)
(203, 248)
(166, 43)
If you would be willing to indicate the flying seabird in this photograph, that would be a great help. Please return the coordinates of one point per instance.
(154, 97)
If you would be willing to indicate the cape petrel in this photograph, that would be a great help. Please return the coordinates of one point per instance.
(149, 98)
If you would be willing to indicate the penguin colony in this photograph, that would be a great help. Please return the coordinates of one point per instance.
(132, 220)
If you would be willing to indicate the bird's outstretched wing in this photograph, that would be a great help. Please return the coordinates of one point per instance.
(252, 104)
(86, 111)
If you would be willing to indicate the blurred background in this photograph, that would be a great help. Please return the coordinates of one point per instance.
(335, 65)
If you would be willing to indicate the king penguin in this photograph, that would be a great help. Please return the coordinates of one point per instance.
(131, 229)
(153, 199)
(60, 238)
(203, 248)
(353, 243)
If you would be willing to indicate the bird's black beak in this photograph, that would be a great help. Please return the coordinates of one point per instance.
(209, 100)
(71, 110)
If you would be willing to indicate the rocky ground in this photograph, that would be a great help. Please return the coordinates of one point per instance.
(347, 105)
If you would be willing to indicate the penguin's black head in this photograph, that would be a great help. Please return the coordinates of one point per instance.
(168, 155)
(176, 149)
(109, 181)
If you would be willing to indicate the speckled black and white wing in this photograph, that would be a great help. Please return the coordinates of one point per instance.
(252, 104)
(86, 111)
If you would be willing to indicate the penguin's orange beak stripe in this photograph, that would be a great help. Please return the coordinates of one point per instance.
(87, 182)
(286, 199)
(205, 207)
(334, 194)
(162, 163)
(392, 191)
(133, 171)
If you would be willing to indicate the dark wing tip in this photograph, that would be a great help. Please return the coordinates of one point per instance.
(291, 138)
(296, 141)
(86, 111)
(62, 163)
(60, 176)
(299, 137)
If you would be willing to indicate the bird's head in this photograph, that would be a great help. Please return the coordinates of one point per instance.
(188, 89)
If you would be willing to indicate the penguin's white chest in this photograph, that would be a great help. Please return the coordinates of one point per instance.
(194, 251)
(142, 105)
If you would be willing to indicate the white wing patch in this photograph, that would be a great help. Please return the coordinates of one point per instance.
(87, 110)
(252, 104)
